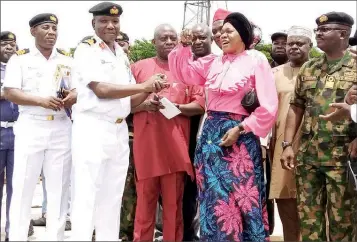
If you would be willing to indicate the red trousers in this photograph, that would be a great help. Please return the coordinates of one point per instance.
(171, 187)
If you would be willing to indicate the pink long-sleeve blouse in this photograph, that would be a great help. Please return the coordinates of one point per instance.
(227, 79)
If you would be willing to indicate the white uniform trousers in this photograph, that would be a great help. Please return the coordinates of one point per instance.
(100, 154)
(41, 144)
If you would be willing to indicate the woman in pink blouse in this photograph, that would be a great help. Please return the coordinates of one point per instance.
(228, 162)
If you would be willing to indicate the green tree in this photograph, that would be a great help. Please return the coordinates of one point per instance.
(141, 49)
(265, 49)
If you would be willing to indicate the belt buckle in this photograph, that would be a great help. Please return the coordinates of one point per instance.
(6, 124)
(119, 120)
(50, 117)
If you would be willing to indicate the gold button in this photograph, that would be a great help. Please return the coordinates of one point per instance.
(119, 120)
(50, 117)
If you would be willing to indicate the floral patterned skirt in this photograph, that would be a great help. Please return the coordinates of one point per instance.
(230, 183)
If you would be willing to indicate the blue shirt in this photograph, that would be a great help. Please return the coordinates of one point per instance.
(8, 111)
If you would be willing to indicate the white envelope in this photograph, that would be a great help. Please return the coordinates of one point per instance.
(170, 109)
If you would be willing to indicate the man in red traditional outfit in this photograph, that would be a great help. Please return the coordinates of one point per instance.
(161, 154)
(217, 25)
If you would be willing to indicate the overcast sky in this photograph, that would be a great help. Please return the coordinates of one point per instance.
(140, 18)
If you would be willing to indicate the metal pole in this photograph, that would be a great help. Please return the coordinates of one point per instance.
(184, 15)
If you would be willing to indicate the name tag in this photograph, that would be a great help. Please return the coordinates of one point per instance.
(309, 78)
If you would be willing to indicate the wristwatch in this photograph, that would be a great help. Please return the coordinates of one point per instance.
(285, 144)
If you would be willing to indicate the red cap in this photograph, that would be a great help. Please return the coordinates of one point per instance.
(220, 14)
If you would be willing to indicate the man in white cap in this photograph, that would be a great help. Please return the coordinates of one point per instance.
(283, 184)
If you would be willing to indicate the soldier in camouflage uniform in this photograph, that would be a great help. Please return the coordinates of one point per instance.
(322, 157)
(128, 205)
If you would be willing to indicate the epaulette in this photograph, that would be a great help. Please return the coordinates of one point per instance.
(64, 52)
(22, 52)
(90, 41)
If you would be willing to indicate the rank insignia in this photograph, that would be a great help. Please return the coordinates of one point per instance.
(90, 41)
(102, 45)
(114, 11)
(22, 52)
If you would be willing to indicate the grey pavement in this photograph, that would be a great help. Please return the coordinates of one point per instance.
(40, 231)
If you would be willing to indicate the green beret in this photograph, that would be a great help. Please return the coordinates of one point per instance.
(353, 40)
(123, 37)
(7, 36)
(43, 18)
(106, 9)
(335, 18)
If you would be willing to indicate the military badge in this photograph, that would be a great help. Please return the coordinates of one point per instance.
(64, 52)
(90, 41)
(323, 18)
(102, 45)
(22, 52)
(11, 36)
(114, 10)
(53, 18)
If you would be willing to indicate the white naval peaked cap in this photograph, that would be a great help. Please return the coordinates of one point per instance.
(300, 31)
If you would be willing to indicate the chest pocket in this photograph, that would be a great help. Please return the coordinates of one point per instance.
(344, 84)
(309, 88)
(31, 78)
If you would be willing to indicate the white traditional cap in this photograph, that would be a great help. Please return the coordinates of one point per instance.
(300, 31)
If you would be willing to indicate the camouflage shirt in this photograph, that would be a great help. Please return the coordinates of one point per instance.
(318, 84)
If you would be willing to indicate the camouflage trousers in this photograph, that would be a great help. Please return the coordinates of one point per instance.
(128, 207)
(321, 190)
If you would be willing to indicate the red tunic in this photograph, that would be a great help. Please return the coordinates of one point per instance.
(161, 145)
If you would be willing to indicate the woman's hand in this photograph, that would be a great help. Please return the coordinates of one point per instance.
(230, 137)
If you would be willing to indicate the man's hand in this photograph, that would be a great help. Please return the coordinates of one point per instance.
(70, 98)
(351, 96)
(230, 137)
(156, 83)
(152, 106)
(288, 159)
(53, 103)
(342, 111)
(352, 148)
(186, 37)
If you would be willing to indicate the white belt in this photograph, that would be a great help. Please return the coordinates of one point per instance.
(46, 117)
(5, 124)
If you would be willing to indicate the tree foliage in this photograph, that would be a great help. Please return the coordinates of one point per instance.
(141, 49)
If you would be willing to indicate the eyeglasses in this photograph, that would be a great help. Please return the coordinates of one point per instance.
(325, 30)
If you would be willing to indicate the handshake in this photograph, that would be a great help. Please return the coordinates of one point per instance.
(156, 83)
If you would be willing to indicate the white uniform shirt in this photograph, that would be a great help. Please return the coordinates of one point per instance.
(34, 74)
(97, 63)
(354, 112)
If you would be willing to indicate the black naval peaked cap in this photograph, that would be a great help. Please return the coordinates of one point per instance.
(106, 9)
(43, 18)
(7, 36)
(335, 18)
